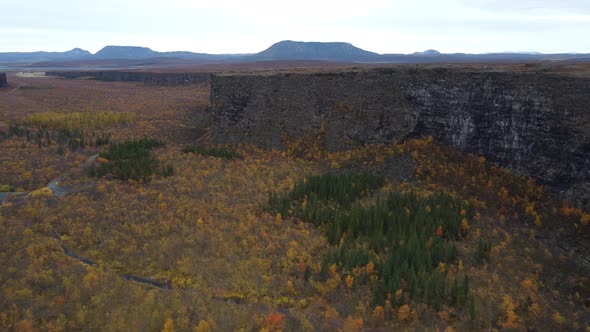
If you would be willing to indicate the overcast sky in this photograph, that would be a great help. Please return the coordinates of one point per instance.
(249, 26)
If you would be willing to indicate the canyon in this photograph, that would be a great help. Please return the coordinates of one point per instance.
(533, 122)
(150, 78)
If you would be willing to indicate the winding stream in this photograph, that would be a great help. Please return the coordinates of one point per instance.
(59, 191)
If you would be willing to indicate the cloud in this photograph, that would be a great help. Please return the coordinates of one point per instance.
(221, 26)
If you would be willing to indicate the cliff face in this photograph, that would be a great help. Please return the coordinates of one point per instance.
(533, 123)
(168, 79)
(3, 81)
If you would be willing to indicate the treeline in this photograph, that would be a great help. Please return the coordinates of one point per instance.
(398, 244)
(62, 137)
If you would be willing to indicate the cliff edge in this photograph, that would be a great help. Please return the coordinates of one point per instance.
(531, 122)
(3, 80)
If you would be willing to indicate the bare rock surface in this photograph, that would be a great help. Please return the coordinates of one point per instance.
(534, 123)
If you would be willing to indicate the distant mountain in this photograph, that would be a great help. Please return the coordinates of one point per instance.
(286, 50)
(125, 52)
(336, 51)
(24, 57)
(428, 52)
(135, 52)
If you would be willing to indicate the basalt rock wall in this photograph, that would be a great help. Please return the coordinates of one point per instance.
(168, 79)
(531, 122)
(3, 80)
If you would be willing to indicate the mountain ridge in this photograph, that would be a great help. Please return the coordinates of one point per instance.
(286, 50)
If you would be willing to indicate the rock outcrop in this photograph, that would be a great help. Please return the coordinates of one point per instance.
(152, 78)
(3, 80)
(531, 122)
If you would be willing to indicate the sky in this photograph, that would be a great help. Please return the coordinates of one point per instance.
(250, 26)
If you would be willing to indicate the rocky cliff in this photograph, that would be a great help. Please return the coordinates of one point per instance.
(532, 122)
(169, 79)
(3, 81)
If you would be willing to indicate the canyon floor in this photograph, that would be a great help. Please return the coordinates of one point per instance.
(203, 249)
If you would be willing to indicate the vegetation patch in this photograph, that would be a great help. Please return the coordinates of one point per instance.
(399, 245)
(217, 152)
(131, 160)
(62, 137)
(78, 120)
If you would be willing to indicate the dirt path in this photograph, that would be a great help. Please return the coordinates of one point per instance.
(18, 87)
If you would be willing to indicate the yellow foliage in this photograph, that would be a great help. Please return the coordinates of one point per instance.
(569, 211)
(529, 209)
(90, 280)
(349, 279)
(203, 326)
(168, 326)
(353, 324)
(538, 221)
(333, 270)
(558, 318)
(508, 308)
(404, 313)
(78, 120)
(43, 192)
(535, 310)
(378, 313)
(331, 313)
(529, 285)
(464, 227)
(398, 295)
(370, 268)
(25, 326)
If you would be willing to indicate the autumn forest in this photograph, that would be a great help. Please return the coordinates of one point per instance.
(117, 213)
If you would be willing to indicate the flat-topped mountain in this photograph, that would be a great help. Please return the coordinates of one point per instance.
(334, 51)
(125, 52)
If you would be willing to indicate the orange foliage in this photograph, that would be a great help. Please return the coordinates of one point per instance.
(274, 321)
(439, 231)
(353, 324)
(405, 313)
(379, 313)
(511, 320)
(349, 279)
(370, 268)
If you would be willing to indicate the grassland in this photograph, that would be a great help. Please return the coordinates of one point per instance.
(240, 238)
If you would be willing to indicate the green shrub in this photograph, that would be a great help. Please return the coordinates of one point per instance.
(131, 160)
(217, 152)
(482, 251)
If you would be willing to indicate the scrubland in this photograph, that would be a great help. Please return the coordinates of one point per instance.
(165, 231)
